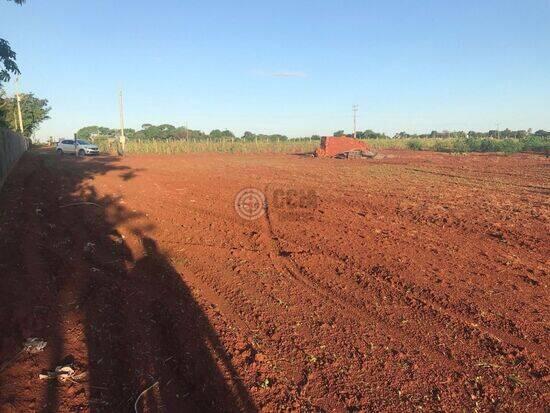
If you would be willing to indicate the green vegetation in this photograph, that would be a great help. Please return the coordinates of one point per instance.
(33, 111)
(236, 145)
(507, 141)
(7, 61)
(170, 132)
(511, 145)
(168, 139)
(175, 146)
(8, 66)
(414, 144)
(531, 143)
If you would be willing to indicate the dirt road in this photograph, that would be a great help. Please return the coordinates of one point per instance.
(418, 281)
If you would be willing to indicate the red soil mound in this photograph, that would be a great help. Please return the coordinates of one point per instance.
(332, 146)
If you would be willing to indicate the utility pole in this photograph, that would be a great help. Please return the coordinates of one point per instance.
(121, 115)
(121, 143)
(498, 131)
(354, 108)
(186, 132)
(18, 105)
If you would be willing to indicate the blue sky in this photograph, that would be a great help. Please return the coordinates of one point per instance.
(294, 67)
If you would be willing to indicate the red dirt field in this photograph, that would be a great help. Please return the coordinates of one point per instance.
(417, 282)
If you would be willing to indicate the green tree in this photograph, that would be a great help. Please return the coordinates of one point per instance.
(165, 127)
(248, 136)
(7, 61)
(89, 131)
(33, 111)
(216, 134)
(522, 134)
(7, 58)
(338, 133)
(227, 134)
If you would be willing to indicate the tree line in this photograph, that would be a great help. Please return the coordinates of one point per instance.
(166, 131)
(495, 134)
(169, 132)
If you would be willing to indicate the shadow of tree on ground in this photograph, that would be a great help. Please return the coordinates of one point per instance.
(120, 315)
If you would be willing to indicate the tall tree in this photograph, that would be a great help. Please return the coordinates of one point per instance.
(248, 136)
(7, 61)
(33, 111)
(7, 57)
(221, 134)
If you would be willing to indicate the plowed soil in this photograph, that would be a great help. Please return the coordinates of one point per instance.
(408, 283)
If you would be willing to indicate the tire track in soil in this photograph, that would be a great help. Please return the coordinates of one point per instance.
(213, 292)
(227, 300)
(233, 291)
(299, 348)
(208, 281)
(491, 341)
(258, 307)
(428, 299)
(285, 263)
(488, 183)
(487, 339)
(410, 293)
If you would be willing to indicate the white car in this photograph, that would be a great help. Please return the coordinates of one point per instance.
(82, 147)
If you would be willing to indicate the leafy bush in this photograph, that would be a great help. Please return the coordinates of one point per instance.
(510, 146)
(536, 144)
(473, 144)
(415, 145)
(532, 143)
(487, 145)
(442, 145)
